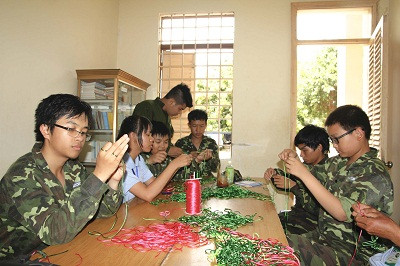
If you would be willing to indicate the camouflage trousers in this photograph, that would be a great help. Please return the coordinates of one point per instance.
(298, 221)
(312, 251)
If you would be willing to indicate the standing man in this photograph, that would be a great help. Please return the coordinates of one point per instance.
(162, 109)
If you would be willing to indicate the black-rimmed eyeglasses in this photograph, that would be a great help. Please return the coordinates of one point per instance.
(335, 140)
(72, 132)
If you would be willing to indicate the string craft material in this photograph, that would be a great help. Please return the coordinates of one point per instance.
(96, 233)
(359, 236)
(230, 192)
(210, 222)
(44, 256)
(234, 248)
(80, 257)
(372, 243)
(287, 197)
(158, 237)
(193, 196)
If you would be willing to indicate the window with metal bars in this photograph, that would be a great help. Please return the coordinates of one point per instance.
(197, 49)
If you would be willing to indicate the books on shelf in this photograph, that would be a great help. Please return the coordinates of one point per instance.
(91, 149)
(96, 90)
(103, 119)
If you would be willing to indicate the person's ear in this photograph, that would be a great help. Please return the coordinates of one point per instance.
(132, 135)
(45, 130)
(359, 133)
(319, 147)
(171, 102)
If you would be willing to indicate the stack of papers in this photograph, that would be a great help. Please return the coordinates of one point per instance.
(248, 183)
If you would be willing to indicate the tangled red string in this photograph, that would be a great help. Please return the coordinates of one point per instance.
(272, 251)
(159, 237)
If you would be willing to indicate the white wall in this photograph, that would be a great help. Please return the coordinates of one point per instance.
(41, 45)
(261, 68)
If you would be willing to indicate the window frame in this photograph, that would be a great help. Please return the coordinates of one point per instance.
(197, 46)
(295, 7)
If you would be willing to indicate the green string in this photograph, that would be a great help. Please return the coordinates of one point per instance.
(230, 192)
(287, 197)
(211, 222)
(96, 233)
(373, 243)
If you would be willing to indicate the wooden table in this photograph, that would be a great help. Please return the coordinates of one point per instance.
(87, 250)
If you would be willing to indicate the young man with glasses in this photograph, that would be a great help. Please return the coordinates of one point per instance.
(356, 175)
(46, 196)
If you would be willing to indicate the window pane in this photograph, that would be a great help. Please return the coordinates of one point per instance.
(197, 49)
(322, 24)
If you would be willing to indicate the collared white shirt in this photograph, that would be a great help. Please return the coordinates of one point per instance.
(136, 171)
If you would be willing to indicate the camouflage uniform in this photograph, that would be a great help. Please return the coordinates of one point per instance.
(333, 242)
(303, 216)
(211, 164)
(35, 208)
(152, 109)
(156, 168)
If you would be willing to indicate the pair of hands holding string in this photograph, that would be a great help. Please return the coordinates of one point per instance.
(109, 164)
(293, 166)
(375, 222)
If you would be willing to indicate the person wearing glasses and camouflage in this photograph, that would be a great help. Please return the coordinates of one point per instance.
(46, 196)
(354, 176)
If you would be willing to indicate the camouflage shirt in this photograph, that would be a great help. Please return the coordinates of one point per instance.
(206, 167)
(367, 181)
(156, 168)
(303, 216)
(152, 110)
(35, 208)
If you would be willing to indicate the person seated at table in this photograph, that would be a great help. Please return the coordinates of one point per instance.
(313, 143)
(46, 196)
(203, 149)
(138, 180)
(355, 175)
(157, 159)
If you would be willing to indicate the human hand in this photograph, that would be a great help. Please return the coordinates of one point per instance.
(204, 155)
(159, 157)
(374, 221)
(295, 167)
(269, 173)
(117, 175)
(109, 157)
(283, 182)
(287, 153)
(182, 160)
(174, 151)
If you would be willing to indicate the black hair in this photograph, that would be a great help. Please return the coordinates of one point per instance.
(136, 124)
(350, 117)
(56, 106)
(197, 114)
(159, 128)
(312, 136)
(181, 94)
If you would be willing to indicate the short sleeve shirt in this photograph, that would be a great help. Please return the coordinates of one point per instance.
(136, 171)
